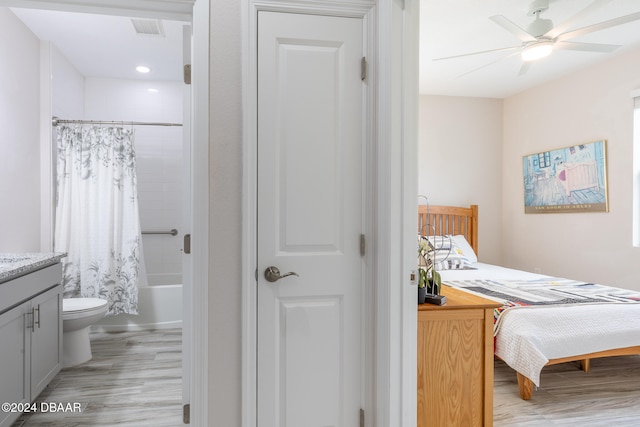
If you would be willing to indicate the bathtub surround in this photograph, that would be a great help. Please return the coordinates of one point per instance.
(159, 307)
(97, 220)
(159, 164)
(159, 173)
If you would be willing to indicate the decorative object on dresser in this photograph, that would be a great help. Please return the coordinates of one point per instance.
(428, 278)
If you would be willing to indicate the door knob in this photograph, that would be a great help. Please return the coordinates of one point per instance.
(272, 274)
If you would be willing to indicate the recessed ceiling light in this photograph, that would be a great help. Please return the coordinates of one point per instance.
(143, 69)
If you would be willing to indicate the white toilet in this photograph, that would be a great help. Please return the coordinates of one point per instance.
(78, 314)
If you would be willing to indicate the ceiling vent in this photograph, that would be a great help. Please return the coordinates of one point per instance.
(148, 27)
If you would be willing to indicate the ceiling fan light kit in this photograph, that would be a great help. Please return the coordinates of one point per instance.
(541, 36)
(536, 51)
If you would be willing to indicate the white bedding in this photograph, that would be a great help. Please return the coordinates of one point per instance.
(527, 337)
(487, 271)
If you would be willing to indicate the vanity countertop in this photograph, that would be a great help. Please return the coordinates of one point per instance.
(19, 264)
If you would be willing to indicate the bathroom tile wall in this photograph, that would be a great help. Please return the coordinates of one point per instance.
(159, 161)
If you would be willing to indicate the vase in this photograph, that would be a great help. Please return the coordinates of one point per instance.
(422, 292)
(432, 288)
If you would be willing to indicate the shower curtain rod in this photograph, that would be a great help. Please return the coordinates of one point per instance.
(56, 121)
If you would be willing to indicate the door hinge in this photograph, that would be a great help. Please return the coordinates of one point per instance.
(361, 417)
(363, 69)
(363, 245)
(187, 243)
(186, 413)
(187, 74)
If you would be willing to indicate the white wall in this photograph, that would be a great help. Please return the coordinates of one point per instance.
(158, 162)
(460, 158)
(67, 92)
(225, 215)
(586, 106)
(19, 136)
(22, 188)
(62, 96)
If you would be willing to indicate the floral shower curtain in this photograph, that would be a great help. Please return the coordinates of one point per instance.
(97, 221)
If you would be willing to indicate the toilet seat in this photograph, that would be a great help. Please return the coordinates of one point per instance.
(81, 307)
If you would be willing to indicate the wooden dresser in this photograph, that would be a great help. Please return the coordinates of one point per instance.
(455, 361)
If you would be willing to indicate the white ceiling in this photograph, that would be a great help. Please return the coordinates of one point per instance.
(107, 46)
(453, 27)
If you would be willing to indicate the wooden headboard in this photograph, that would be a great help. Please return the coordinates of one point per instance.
(441, 220)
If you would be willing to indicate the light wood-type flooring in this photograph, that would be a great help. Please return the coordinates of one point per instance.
(134, 379)
(609, 395)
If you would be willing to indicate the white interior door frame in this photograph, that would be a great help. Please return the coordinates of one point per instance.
(396, 322)
(396, 218)
(356, 9)
(200, 82)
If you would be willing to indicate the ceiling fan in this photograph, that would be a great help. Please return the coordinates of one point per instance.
(541, 37)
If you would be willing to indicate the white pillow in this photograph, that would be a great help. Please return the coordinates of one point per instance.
(447, 255)
(460, 241)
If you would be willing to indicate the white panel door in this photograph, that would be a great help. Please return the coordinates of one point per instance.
(310, 198)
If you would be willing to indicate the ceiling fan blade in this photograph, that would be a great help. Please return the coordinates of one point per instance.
(488, 64)
(477, 53)
(513, 28)
(600, 26)
(564, 26)
(524, 68)
(587, 47)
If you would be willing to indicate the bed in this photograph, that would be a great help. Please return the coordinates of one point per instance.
(529, 337)
(578, 176)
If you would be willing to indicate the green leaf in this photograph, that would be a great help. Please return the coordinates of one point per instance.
(437, 281)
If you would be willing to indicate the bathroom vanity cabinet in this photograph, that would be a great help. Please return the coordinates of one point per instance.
(31, 336)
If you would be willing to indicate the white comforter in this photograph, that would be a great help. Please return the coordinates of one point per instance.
(527, 337)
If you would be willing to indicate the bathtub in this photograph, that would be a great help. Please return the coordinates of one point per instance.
(160, 307)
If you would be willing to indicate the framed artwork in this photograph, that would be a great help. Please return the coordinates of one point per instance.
(570, 179)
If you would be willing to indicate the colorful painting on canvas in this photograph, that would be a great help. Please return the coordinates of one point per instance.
(571, 179)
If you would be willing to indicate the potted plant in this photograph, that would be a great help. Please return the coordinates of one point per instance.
(429, 279)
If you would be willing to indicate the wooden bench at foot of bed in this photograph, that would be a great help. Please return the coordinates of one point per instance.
(525, 385)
